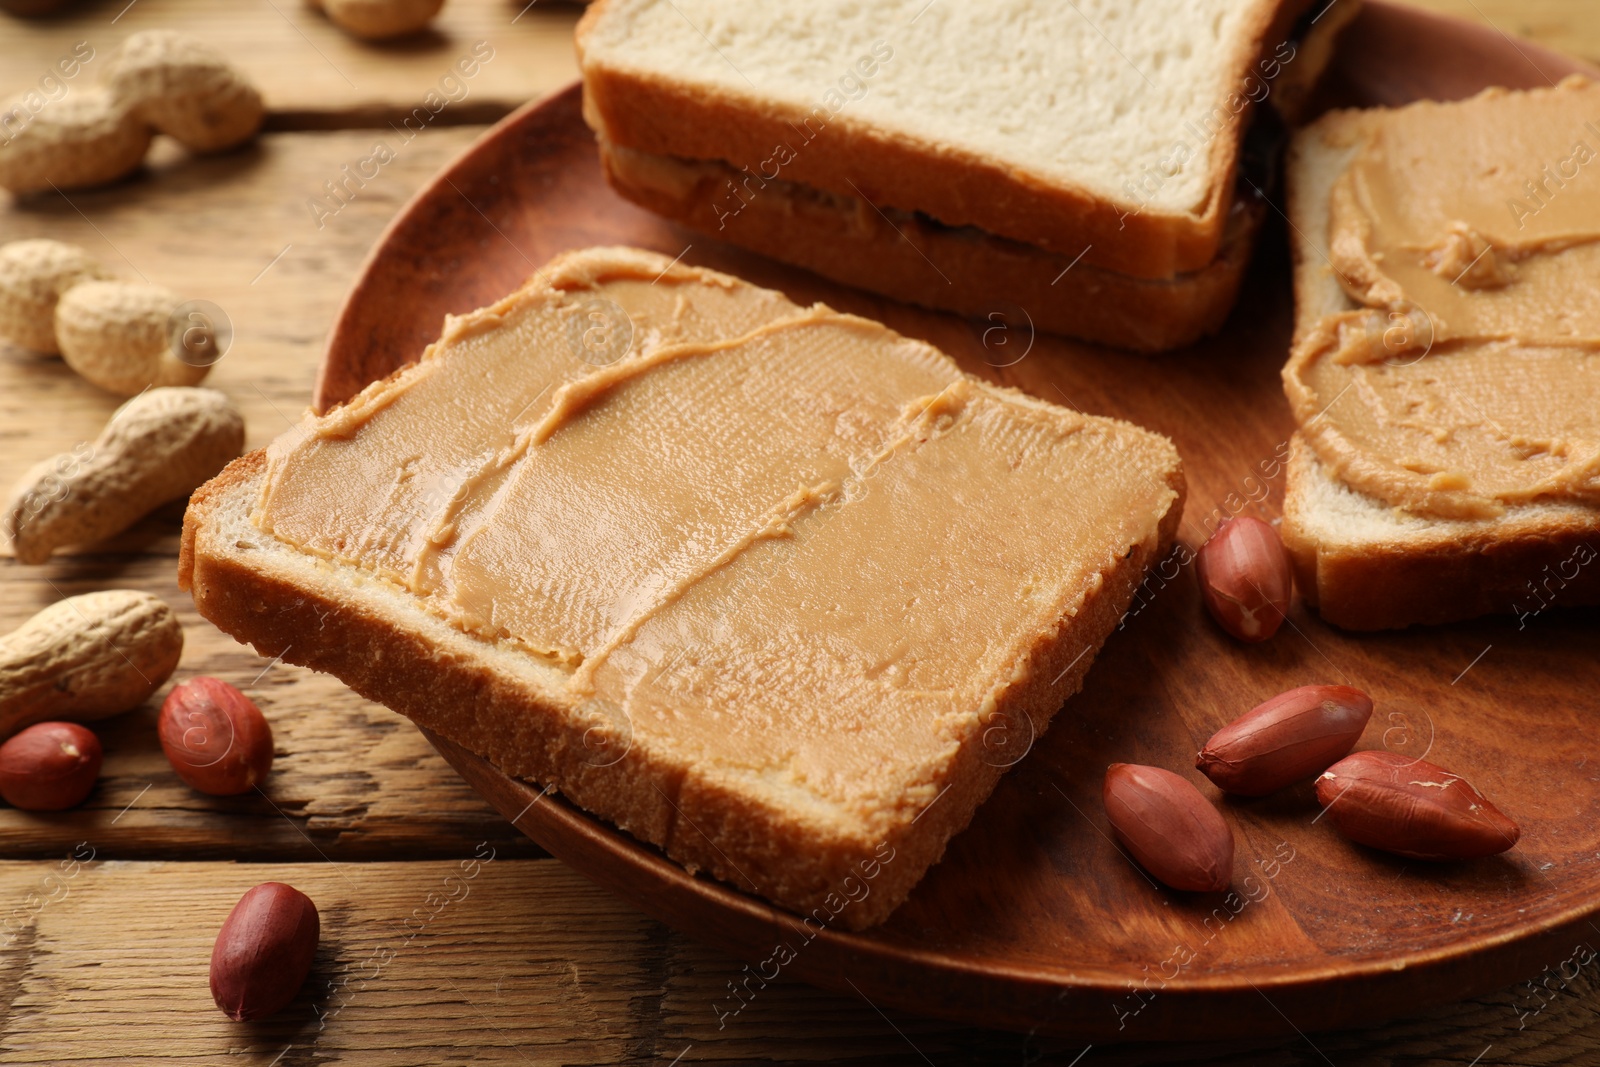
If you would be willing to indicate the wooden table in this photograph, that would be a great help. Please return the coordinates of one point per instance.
(109, 910)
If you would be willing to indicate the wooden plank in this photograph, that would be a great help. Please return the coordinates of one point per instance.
(1569, 25)
(111, 959)
(510, 961)
(534, 966)
(313, 74)
(351, 779)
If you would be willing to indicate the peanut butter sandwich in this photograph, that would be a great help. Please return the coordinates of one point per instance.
(753, 581)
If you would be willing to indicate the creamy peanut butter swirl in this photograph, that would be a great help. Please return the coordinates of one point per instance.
(1468, 235)
(784, 535)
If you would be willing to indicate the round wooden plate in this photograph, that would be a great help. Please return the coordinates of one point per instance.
(1034, 919)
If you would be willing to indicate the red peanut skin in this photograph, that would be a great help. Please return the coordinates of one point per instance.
(1412, 808)
(1292, 736)
(1171, 829)
(215, 737)
(50, 766)
(1245, 578)
(264, 951)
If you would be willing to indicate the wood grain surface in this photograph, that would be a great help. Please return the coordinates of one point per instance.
(535, 966)
(1566, 25)
(313, 74)
(233, 230)
(493, 960)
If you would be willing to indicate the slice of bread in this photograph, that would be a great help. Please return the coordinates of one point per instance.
(1098, 125)
(910, 257)
(1316, 35)
(832, 695)
(1366, 566)
(1363, 564)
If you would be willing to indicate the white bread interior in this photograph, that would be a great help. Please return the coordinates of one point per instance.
(1096, 123)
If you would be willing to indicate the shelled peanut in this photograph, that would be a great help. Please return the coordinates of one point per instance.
(215, 737)
(1285, 740)
(1245, 579)
(1412, 808)
(50, 766)
(1171, 829)
(264, 951)
(157, 81)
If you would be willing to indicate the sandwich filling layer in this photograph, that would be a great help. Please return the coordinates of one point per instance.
(782, 543)
(1467, 380)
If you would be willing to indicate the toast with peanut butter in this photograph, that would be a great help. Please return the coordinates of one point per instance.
(770, 587)
(1445, 369)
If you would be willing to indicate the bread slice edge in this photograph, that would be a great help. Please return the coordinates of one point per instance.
(963, 270)
(512, 709)
(1362, 564)
(654, 113)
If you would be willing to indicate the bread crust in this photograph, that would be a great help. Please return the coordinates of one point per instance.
(459, 687)
(1437, 572)
(1293, 95)
(653, 113)
(966, 271)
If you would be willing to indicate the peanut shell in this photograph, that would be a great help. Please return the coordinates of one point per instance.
(186, 89)
(33, 275)
(117, 335)
(86, 658)
(159, 446)
(87, 138)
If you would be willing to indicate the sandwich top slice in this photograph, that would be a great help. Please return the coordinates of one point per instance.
(755, 582)
(1445, 373)
(1100, 128)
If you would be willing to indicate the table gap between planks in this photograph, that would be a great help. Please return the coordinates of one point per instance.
(447, 936)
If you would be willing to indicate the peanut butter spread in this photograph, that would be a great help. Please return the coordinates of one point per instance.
(1467, 379)
(784, 536)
